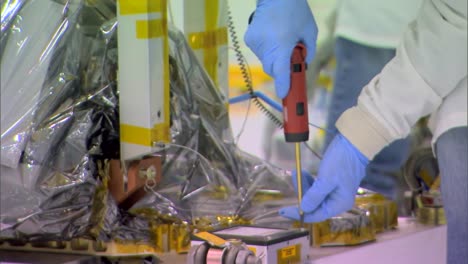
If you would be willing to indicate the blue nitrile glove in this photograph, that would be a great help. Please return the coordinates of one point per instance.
(307, 181)
(333, 191)
(276, 28)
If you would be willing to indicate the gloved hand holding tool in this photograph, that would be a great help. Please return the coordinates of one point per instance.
(295, 114)
(307, 181)
(333, 191)
(283, 35)
(276, 28)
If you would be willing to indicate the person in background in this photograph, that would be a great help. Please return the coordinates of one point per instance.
(367, 34)
(427, 76)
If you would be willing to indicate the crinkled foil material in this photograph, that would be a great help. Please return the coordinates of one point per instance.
(54, 189)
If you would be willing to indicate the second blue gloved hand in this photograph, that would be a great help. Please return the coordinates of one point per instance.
(333, 191)
(307, 181)
(276, 28)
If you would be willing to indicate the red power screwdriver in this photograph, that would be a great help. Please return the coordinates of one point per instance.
(295, 114)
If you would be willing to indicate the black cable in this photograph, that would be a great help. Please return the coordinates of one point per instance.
(245, 74)
(248, 81)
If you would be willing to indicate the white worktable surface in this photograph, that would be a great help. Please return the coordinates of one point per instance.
(411, 243)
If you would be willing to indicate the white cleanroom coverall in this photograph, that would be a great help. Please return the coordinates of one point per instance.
(427, 76)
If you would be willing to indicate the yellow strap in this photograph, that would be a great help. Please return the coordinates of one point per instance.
(144, 136)
(148, 29)
(131, 7)
(209, 42)
(210, 60)
(208, 39)
(212, 239)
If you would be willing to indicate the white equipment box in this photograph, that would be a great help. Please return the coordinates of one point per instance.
(271, 245)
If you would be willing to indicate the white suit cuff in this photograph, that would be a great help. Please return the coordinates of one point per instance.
(364, 131)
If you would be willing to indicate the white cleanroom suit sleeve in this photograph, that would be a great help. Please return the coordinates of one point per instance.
(430, 66)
